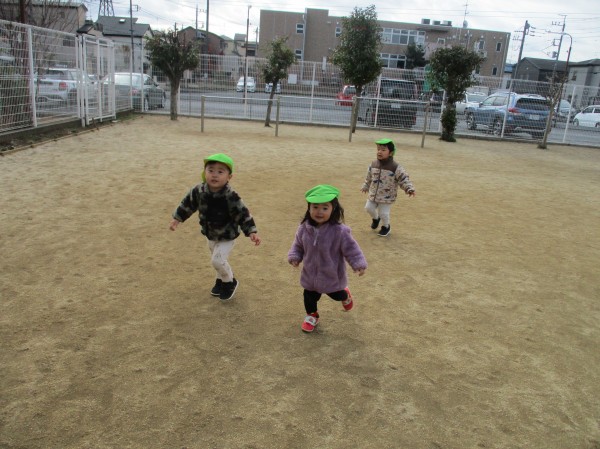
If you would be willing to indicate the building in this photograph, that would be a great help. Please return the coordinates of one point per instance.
(314, 34)
(583, 82)
(125, 32)
(535, 69)
(60, 16)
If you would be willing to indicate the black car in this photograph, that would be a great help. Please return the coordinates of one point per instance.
(394, 104)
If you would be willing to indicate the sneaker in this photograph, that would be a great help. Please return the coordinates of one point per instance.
(347, 303)
(310, 322)
(375, 223)
(384, 231)
(216, 290)
(228, 289)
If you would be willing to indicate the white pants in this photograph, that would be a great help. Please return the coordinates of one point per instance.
(379, 210)
(219, 254)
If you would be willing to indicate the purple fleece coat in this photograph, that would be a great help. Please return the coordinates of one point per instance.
(324, 251)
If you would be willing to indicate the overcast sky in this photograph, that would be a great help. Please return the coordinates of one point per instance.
(228, 17)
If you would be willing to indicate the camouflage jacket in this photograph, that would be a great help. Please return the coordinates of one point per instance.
(383, 179)
(222, 214)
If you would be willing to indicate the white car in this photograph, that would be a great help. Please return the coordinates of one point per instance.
(250, 85)
(590, 116)
(471, 99)
(269, 88)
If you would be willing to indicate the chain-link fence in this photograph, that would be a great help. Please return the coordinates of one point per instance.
(48, 76)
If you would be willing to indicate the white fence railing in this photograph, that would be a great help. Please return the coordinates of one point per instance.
(32, 93)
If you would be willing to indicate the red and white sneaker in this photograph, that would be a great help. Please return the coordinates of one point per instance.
(347, 303)
(310, 322)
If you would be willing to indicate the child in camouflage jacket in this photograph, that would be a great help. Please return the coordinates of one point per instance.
(222, 214)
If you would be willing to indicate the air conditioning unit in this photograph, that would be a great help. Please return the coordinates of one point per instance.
(447, 23)
(437, 22)
(425, 21)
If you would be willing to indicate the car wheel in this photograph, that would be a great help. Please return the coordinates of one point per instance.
(471, 122)
(576, 122)
(162, 102)
(598, 125)
(537, 135)
(497, 129)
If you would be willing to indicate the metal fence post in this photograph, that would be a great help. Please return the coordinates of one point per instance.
(202, 100)
(277, 117)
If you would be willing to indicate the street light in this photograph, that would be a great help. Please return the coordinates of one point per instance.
(246, 53)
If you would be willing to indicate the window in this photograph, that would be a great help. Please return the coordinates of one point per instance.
(480, 45)
(299, 28)
(338, 31)
(498, 46)
(299, 54)
(494, 71)
(402, 37)
(574, 76)
(393, 61)
(441, 41)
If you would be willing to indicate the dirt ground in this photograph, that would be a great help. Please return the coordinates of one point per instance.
(476, 324)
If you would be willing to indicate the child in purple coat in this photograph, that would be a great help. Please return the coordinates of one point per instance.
(324, 243)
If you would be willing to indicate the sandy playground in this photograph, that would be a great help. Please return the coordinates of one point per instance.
(476, 325)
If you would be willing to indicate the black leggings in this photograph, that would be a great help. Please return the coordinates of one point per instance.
(311, 298)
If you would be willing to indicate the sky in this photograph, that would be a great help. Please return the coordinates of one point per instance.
(580, 18)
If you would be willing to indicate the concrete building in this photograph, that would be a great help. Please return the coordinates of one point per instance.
(314, 34)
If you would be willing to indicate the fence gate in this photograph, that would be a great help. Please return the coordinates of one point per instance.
(98, 62)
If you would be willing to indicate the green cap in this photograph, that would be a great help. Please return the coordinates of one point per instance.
(387, 143)
(323, 193)
(219, 157)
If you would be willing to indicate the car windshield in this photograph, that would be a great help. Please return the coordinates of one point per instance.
(533, 104)
(475, 98)
(124, 78)
(397, 89)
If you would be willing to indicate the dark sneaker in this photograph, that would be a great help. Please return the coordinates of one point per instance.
(384, 231)
(216, 290)
(375, 223)
(228, 289)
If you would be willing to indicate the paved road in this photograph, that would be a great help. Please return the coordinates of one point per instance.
(326, 111)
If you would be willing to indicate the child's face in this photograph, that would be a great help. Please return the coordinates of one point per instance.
(217, 175)
(321, 212)
(383, 152)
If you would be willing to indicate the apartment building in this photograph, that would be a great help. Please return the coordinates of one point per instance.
(314, 34)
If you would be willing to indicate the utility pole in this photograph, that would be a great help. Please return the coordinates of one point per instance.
(562, 32)
(525, 32)
(131, 33)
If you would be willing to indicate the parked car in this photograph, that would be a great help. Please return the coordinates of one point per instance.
(345, 97)
(589, 116)
(524, 113)
(269, 88)
(394, 106)
(434, 99)
(250, 85)
(133, 84)
(60, 84)
(471, 99)
(564, 111)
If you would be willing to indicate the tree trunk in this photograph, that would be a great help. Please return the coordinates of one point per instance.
(269, 107)
(174, 98)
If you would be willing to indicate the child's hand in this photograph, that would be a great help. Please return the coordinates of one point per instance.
(255, 238)
(364, 189)
(411, 193)
(360, 271)
(294, 263)
(174, 224)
